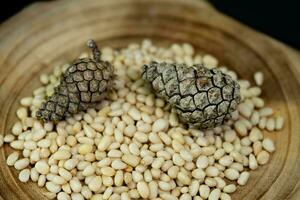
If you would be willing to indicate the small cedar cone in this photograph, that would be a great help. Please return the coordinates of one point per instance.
(202, 97)
(83, 84)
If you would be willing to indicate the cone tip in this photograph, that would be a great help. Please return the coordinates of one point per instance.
(91, 43)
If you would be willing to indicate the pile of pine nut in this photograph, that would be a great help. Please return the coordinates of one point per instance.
(132, 145)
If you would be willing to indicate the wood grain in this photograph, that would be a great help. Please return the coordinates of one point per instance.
(45, 34)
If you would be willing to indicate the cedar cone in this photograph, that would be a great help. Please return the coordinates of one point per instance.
(202, 97)
(83, 84)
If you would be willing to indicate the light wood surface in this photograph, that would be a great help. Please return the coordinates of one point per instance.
(53, 32)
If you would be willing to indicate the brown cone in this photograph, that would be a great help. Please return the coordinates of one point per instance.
(203, 98)
(83, 84)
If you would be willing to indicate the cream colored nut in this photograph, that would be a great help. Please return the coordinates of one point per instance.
(7, 138)
(220, 182)
(252, 162)
(66, 188)
(153, 189)
(255, 134)
(225, 196)
(17, 128)
(38, 134)
(137, 176)
(17, 144)
(21, 164)
(44, 143)
(168, 196)
(157, 163)
(226, 160)
(228, 147)
(134, 113)
(198, 174)
(279, 122)
(240, 128)
(177, 160)
(95, 184)
(259, 78)
(143, 189)
(109, 129)
(212, 171)
(24, 175)
(204, 191)
(165, 138)
(219, 153)
(77, 196)
(254, 91)
(268, 145)
(245, 110)
(26, 101)
(231, 174)
(263, 157)
(257, 147)
(242, 180)
(61, 155)
(211, 182)
(108, 171)
(41, 180)
(258, 102)
(265, 112)
(52, 187)
(214, 194)
(63, 196)
(119, 178)
(85, 149)
(75, 184)
(107, 193)
(70, 164)
(254, 119)
(12, 158)
(183, 178)
(209, 61)
(104, 143)
(131, 160)
(164, 186)
(185, 196)
(22, 113)
(160, 125)
(58, 180)
(202, 162)
(262, 123)
(229, 188)
(118, 164)
(246, 150)
(194, 188)
(65, 174)
(173, 171)
(186, 155)
(42, 167)
(230, 135)
(270, 125)
(88, 171)
(177, 146)
(115, 153)
(89, 132)
(30, 145)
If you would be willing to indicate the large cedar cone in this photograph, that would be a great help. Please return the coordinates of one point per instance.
(203, 98)
(83, 84)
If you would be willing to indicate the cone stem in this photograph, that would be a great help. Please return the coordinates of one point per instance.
(96, 53)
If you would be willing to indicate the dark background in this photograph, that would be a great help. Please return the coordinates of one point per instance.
(279, 19)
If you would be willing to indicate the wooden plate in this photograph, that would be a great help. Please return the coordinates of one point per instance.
(48, 33)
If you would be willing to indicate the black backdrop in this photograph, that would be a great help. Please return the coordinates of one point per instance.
(280, 19)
